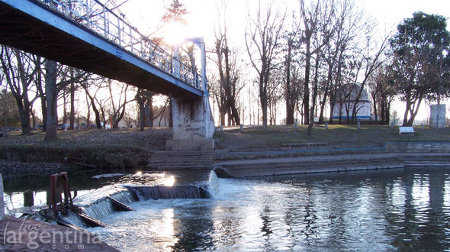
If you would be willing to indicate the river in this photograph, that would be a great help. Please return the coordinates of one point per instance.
(364, 211)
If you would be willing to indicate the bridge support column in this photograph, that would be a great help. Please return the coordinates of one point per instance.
(193, 125)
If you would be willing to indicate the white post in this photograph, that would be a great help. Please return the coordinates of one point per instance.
(131, 38)
(88, 13)
(119, 31)
(105, 23)
(203, 52)
(176, 62)
(2, 202)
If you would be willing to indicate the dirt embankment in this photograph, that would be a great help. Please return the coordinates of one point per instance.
(102, 149)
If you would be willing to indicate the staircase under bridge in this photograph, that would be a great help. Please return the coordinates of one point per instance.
(86, 34)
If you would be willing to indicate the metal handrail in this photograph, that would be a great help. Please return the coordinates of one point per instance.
(97, 17)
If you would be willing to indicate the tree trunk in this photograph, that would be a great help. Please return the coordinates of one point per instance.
(375, 108)
(413, 112)
(72, 106)
(311, 116)
(387, 113)
(150, 111)
(94, 108)
(52, 95)
(263, 100)
(332, 104)
(290, 105)
(88, 116)
(33, 119)
(44, 111)
(307, 76)
(405, 116)
(141, 115)
(322, 106)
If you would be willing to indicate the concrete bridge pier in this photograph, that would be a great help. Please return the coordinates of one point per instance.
(193, 125)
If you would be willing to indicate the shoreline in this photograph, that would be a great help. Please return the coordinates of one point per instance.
(22, 161)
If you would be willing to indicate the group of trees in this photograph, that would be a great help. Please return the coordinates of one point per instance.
(27, 78)
(314, 59)
(311, 60)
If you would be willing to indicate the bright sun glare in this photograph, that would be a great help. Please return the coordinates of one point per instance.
(169, 181)
(175, 34)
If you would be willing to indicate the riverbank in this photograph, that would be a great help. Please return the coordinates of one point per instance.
(130, 149)
(79, 149)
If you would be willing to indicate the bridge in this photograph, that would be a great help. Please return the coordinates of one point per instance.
(86, 34)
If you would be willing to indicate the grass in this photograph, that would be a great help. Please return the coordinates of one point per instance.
(126, 148)
(230, 138)
(94, 138)
(346, 135)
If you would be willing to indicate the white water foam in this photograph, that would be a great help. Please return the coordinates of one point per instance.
(213, 184)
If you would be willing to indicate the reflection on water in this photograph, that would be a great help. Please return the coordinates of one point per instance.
(377, 211)
(28, 193)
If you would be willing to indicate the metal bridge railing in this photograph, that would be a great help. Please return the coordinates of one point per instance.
(102, 20)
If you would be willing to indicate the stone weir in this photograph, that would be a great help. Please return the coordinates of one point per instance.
(89, 209)
(330, 163)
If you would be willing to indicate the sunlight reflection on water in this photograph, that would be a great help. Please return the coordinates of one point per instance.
(373, 211)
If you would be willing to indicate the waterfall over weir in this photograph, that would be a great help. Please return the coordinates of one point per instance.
(166, 192)
(92, 207)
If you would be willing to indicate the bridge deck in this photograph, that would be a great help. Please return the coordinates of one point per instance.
(29, 26)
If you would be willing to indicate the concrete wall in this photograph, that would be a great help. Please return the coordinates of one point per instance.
(193, 125)
(437, 116)
(418, 147)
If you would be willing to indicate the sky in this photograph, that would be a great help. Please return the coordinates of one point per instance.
(203, 15)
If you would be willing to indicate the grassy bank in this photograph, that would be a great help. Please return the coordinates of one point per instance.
(130, 148)
(127, 148)
(345, 135)
(154, 139)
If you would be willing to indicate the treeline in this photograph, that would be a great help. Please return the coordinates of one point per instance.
(312, 59)
(324, 55)
(27, 81)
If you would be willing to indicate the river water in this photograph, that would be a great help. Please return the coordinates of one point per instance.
(375, 211)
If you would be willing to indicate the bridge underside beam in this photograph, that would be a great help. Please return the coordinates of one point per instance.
(45, 33)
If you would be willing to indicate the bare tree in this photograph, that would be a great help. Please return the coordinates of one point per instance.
(117, 106)
(144, 99)
(92, 96)
(291, 87)
(262, 39)
(382, 92)
(228, 87)
(19, 71)
(371, 61)
(317, 21)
